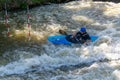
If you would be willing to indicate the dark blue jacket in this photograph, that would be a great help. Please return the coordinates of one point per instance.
(82, 37)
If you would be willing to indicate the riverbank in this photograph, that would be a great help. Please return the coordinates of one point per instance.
(20, 5)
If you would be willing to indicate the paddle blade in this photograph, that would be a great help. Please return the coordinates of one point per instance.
(62, 32)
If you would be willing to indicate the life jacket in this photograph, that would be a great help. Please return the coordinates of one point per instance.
(82, 37)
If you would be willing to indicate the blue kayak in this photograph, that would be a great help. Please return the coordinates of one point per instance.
(61, 39)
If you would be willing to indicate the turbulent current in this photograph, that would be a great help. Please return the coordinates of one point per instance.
(45, 61)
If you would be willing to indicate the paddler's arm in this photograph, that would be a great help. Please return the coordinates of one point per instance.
(73, 35)
(88, 41)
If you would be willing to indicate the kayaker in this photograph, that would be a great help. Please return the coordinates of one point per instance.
(81, 36)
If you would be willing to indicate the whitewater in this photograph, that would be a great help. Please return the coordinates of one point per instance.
(46, 61)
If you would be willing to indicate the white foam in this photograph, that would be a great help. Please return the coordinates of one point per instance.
(97, 71)
(62, 56)
(55, 56)
(116, 75)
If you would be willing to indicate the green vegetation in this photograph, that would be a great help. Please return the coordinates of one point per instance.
(15, 4)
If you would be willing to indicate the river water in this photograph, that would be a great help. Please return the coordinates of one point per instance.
(45, 61)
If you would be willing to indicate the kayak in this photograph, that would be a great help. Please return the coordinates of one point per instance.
(64, 39)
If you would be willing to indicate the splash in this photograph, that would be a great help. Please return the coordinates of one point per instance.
(63, 62)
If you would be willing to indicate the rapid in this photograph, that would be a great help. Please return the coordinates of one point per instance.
(41, 60)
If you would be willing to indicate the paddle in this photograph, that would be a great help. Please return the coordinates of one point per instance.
(69, 38)
(63, 32)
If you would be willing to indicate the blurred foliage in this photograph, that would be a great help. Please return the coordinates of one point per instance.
(15, 4)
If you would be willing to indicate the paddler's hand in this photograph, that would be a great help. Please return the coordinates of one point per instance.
(72, 37)
(88, 42)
